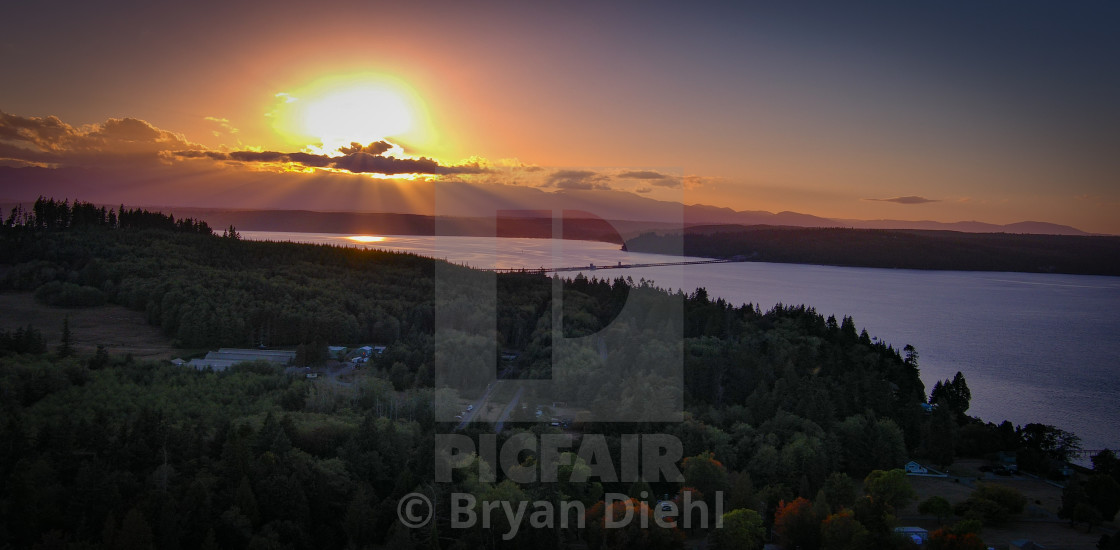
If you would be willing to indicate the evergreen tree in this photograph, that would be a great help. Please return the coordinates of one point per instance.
(65, 349)
(953, 394)
(100, 358)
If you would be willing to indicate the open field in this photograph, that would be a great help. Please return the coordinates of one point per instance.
(1038, 523)
(119, 329)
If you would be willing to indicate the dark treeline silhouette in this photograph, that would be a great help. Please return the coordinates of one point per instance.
(51, 214)
(524, 224)
(904, 249)
(786, 411)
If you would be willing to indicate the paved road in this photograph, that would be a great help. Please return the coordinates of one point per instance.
(469, 417)
(505, 414)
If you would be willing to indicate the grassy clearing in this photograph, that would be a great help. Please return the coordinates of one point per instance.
(1043, 499)
(119, 329)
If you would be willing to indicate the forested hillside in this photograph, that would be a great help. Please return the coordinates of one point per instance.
(783, 405)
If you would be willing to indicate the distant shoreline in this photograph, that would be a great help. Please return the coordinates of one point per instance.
(837, 246)
(893, 248)
(832, 246)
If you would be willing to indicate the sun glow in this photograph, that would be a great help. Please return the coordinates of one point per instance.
(362, 114)
(366, 239)
(338, 111)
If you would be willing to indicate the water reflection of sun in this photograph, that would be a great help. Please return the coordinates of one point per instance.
(366, 239)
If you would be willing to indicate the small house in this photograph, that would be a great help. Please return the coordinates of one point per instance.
(365, 351)
(913, 468)
(917, 535)
(1008, 460)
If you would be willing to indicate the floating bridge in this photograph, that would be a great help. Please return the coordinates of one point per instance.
(593, 267)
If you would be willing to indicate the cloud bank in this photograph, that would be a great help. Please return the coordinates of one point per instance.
(50, 140)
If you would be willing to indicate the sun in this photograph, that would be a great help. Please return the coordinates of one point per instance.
(340, 110)
(363, 114)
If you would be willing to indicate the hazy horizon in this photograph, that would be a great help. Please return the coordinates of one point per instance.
(636, 209)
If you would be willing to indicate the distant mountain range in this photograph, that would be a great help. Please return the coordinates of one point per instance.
(705, 215)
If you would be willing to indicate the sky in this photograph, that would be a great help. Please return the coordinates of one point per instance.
(996, 111)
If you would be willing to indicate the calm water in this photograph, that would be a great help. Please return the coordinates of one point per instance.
(1034, 348)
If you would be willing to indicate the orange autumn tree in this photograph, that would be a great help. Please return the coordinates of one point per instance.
(798, 524)
(841, 531)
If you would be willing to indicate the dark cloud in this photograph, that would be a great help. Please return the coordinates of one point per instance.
(375, 148)
(643, 175)
(576, 179)
(201, 155)
(651, 177)
(308, 159)
(257, 156)
(360, 162)
(365, 163)
(912, 199)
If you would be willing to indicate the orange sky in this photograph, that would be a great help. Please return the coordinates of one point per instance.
(997, 115)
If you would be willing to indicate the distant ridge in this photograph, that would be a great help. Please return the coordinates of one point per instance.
(706, 215)
(1039, 228)
(694, 215)
(892, 248)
